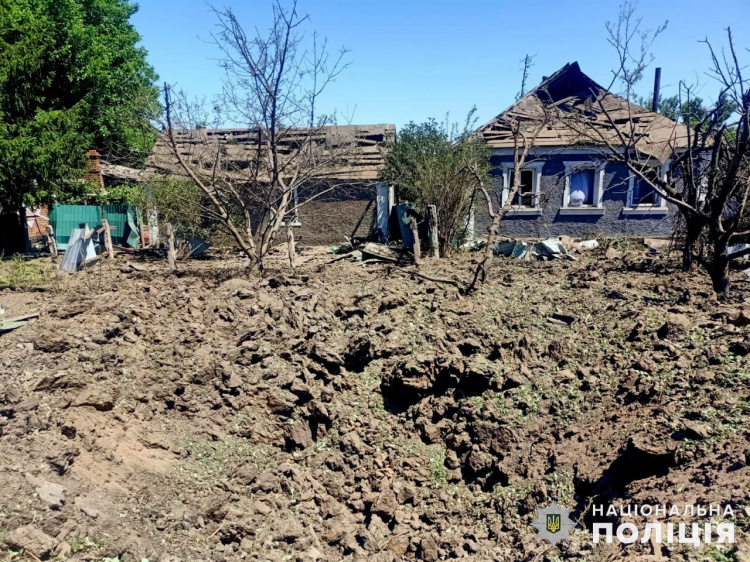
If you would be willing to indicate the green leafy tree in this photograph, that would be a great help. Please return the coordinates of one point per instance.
(692, 111)
(670, 107)
(72, 78)
(439, 164)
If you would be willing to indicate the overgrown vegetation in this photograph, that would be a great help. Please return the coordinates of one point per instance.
(441, 164)
(19, 273)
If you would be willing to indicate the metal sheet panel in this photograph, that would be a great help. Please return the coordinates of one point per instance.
(117, 216)
(64, 218)
(124, 228)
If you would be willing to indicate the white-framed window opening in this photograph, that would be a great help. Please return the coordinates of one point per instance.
(526, 199)
(292, 216)
(641, 195)
(584, 188)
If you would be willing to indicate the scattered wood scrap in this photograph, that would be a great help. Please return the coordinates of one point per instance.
(380, 252)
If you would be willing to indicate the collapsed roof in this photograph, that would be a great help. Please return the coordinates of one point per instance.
(569, 109)
(346, 152)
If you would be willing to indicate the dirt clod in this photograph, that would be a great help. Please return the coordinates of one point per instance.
(31, 540)
(53, 495)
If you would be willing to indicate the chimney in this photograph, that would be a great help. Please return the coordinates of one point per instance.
(94, 168)
(657, 85)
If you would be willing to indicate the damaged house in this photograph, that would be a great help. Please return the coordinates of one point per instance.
(568, 185)
(340, 202)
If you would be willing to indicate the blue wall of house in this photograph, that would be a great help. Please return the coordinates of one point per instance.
(552, 187)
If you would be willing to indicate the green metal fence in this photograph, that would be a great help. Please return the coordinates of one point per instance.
(64, 218)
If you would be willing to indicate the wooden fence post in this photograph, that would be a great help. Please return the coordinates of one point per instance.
(434, 240)
(415, 235)
(290, 247)
(108, 239)
(171, 258)
(51, 240)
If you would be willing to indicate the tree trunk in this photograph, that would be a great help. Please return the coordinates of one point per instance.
(480, 273)
(718, 268)
(290, 247)
(693, 231)
(719, 272)
(445, 249)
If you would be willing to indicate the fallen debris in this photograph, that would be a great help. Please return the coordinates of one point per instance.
(13, 323)
(380, 252)
(588, 244)
(192, 247)
(550, 249)
(81, 249)
(515, 248)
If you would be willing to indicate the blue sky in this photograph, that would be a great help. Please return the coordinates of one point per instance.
(414, 59)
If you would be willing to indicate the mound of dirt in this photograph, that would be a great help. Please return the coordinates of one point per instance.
(344, 413)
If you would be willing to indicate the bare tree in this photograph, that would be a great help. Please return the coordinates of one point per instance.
(708, 179)
(285, 154)
(524, 125)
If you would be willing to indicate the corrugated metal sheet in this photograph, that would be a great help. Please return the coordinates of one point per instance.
(64, 218)
(134, 235)
(117, 216)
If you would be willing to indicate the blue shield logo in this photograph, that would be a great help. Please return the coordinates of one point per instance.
(553, 523)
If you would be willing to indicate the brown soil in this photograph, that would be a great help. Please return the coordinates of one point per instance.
(349, 412)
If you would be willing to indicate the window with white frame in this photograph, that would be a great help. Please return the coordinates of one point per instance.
(526, 199)
(641, 193)
(583, 188)
(292, 216)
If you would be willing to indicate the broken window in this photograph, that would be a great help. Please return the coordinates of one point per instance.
(525, 195)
